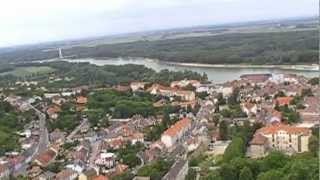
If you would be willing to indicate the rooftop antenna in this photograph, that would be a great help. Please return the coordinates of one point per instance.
(60, 54)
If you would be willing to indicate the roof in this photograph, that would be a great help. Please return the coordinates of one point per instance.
(46, 157)
(256, 77)
(276, 113)
(248, 105)
(53, 110)
(284, 100)
(159, 87)
(65, 174)
(177, 127)
(81, 100)
(100, 178)
(274, 128)
(258, 139)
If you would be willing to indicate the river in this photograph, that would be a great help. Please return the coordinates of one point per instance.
(215, 74)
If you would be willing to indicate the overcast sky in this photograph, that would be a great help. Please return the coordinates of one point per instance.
(32, 21)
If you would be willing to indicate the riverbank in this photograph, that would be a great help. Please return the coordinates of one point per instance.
(313, 67)
(135, 60)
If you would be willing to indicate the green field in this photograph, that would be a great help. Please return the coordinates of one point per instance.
(28, 71)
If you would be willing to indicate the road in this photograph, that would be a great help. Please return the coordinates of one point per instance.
(95, 151)
(136, 169)
(39, 148)
(44, 135)
(75, 131)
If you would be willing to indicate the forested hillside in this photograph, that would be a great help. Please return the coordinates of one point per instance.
(295, 47)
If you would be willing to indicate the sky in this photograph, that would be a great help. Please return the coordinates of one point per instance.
(33, 21)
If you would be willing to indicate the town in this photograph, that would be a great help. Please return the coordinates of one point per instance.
(185, 129)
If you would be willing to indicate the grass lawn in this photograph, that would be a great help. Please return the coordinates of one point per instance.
(26, 71)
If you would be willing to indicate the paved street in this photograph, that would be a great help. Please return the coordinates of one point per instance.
(39, 148)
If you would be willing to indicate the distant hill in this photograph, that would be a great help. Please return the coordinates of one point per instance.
(291, 41)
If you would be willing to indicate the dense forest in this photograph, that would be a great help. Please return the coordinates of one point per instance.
(295, 47)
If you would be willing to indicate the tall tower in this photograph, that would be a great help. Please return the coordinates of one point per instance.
(60, 54)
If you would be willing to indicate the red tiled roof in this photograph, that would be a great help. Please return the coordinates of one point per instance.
(284, 100)
(53, 110)
(46, 157)
(274, 128)
(100, 178)
(178, 126)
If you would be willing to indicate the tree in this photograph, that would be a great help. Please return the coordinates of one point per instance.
(270, 175)
(314, 81)
(234, 149)
(215, 175)
(280, 94)
(228, 172)
(306, 92)
(223, 130)
(314, 145)
(246, 174)
(274, 160)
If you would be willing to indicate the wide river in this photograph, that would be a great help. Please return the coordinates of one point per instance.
(215, 74)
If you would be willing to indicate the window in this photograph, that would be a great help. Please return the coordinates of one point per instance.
(290, 138)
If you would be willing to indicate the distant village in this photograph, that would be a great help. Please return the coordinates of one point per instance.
(285, 106)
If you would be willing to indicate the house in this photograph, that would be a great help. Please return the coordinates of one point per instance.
(57, 136)
(258, 146)
(34, 171)
(192, 144)
(175, 132)
(135, 86)
(256, 79)
(51, 95)
(186, 95)
(136, 137)
(47, 175)
(67, 93)
(81, 100)
(178, 171)
(67, 174)
(5, 171)
(249, 108)
(57, 100)
(76, 167)
(281, 78)
(311, 114)
(81, 154)
(184, 83)
(286, 138)
(45, 158)
(107, 160)
(276, 116)
(88, 174)
(100, 177)
(157, 89)
(282, 101)
(53, 111)
(122, 88)
(225, 90)
(121, 168)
